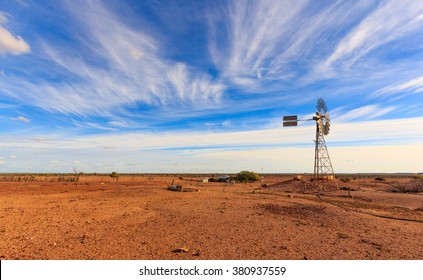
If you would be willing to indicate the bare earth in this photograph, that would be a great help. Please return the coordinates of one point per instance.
(139, 218)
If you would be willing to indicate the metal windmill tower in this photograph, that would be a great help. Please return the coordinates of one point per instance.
(323, 169)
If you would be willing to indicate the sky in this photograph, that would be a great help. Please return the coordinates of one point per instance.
(201, 86)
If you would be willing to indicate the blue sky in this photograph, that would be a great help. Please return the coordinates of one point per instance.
(201, 86)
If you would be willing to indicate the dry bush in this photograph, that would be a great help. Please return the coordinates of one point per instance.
(413, 186)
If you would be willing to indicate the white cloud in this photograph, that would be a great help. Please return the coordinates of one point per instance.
(10, 43)
(3, 18)
(193, 89)
(131, 68)
(22, 3)
(256, 31)
(414, 85)
(384, 158)
(272, 42)
(388, 22)
(384, 132)
(12, 156)
(365, 113)
(119, 123)
(22, 119)
(137, 54)
(37, 139)
(365, 146)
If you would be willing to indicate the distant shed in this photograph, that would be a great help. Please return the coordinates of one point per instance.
(224, 178)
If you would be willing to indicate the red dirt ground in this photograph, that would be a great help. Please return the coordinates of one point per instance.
(139, 218)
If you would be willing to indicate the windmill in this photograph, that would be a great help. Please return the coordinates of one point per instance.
(323, 169)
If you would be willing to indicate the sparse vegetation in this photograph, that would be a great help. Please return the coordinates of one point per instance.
(115, 175)
(345, 180)
(413, 186)
(247, 176)
(105, 208)
(418, 183)
(77, 175)
(380, 179)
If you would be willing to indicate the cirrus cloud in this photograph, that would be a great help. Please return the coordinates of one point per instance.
(21, 119)
(10, 44)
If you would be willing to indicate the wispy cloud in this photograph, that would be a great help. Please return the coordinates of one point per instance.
(144, 86)
(21, 119)
(358, 132)
(37, 139)
(279, 41)
(388, 22)
(254, 34)
(414, 86)
(10, 44)
(22, 3)
(364, 113)
(130, 68)
(275, 150)
(268, 46)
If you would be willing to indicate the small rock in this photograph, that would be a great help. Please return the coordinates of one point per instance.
(82, 238)
(181, 250)
(342, 235)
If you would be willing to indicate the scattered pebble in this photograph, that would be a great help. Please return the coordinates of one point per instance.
(181, 250)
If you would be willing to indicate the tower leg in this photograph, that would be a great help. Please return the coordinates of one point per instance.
(323, 170)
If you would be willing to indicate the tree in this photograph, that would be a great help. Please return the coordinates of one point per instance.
(247, 176)
(77, 175)
(418, 183)
(115, 175)
(380, 179)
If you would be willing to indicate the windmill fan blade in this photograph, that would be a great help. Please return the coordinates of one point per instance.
(323, 125)
(326, 128)
(320, 125)
(327, 123)
(321, 107)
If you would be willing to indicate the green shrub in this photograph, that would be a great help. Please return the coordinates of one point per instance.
(380, 179)
(345, 180)
(115, 175)
(247, 176)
